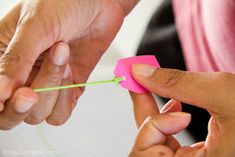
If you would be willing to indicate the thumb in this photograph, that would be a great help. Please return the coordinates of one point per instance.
(155, 130)
(17, 62)
(199, 89)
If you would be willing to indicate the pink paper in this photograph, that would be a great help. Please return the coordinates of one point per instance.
(123, 69)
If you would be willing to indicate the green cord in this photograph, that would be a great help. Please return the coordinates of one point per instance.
(116, 80)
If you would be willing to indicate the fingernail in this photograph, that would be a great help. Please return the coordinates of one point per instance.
(23, 104)
(59, 54)
(67, 72)
(143, 70)
(179, 114)
(168, 105)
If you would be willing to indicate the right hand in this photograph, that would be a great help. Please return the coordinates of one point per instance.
(214, 92)
(33, 26)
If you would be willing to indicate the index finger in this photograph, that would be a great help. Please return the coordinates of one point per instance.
(206, 90)
(144, 106)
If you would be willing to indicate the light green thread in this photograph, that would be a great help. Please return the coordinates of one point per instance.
(116, 80)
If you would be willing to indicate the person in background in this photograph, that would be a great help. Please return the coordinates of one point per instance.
(162, 40)
(76, 33)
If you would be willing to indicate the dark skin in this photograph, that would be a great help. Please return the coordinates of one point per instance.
(205, 90)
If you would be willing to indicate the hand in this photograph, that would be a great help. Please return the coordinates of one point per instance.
(54, 71)
(212, 91)
(32, 27)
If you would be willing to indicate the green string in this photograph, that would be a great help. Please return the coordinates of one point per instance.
(116, 80)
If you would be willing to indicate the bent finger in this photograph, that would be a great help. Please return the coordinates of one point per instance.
(17, 108)
(155, 151)
(64, 103)
(50, 75)
(24, 47)
(155, 129)
(144, 106)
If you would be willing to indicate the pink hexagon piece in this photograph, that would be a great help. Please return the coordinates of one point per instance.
(123, 69)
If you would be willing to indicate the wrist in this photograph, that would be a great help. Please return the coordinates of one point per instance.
(128, 5)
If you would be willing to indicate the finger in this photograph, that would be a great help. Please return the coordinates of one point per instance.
(7, 26)
(144, 106)
(64, 103)
(24, 48)
(155, 130)
(36, 68)
(199, 89)
(17, 108)
(50, 75)
(155, 151)
(172, 106)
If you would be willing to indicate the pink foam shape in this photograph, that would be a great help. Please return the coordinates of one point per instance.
(123, 69)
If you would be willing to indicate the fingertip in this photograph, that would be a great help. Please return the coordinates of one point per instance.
(180, 115)
(183, 119)
(171, 123)
(142, 70)
(24, 99)
(63, 45)
(28, 93)
(172, 106)
(60, 53)
(57, 121)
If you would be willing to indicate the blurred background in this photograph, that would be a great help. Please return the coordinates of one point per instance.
(102, 124)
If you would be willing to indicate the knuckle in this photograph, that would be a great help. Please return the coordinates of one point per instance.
(5, 127)
(57, 120)
(180, 152)
(9, 61)
(34, 119)
(224, 76)
(6, 61)
(59, 117)
(50, 26)
(172, 77)
(54, 76)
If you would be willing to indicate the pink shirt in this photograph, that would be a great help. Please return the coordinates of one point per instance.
(207, 33)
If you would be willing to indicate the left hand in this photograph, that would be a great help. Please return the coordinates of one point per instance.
(214, 92)
(32, 27)
(54, 106)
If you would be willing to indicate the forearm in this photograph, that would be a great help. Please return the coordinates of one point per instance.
(128, 5)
